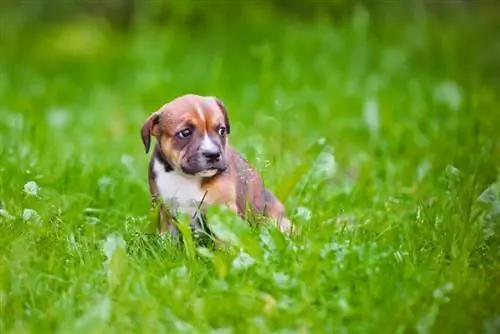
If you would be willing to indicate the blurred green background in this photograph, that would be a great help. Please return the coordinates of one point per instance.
(376, 122)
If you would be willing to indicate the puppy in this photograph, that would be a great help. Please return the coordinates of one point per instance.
(193, 165)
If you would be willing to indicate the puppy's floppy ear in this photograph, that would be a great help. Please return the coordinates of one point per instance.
(150, 128)
(224, 111)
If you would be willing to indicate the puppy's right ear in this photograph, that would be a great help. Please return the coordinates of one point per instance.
(150, 128)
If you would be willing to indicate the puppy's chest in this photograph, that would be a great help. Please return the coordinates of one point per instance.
(184, 194)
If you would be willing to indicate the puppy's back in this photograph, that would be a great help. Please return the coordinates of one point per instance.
(251, 192)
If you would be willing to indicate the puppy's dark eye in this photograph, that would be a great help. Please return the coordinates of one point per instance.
(184, 133)
(222, 131)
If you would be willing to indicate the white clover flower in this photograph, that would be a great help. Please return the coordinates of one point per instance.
(266, 239)
(104, 182)
(242, 261)
(343, 304)
(113, 242)
(180, 272)
(489, 195)
(31, 215)
(325, 165)
(371, 115)
(31, 188)
(304, 213)
(58, 117)
(448, 93)
(5, 214)
(283, 280)
(441, 292)
(453, 171)
(127, 160)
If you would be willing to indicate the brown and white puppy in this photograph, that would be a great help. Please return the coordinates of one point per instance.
(193, 163)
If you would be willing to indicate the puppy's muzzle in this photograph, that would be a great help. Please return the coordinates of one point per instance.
(210, 151)
(204, 162)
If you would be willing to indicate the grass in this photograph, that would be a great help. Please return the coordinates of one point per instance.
(381, 137)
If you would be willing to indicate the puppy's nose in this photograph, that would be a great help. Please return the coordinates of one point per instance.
(211, 156)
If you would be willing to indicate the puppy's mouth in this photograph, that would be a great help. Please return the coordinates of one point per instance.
(208, 171)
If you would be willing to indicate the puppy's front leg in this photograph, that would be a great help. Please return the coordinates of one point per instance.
(164, 219)
(166, 222)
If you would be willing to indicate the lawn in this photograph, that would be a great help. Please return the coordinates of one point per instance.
(381, 134)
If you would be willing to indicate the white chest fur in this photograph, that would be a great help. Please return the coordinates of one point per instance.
(181, 192)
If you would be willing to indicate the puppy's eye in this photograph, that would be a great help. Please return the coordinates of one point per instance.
(184, 133)
(222, 131)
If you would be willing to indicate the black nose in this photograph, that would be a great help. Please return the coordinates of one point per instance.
(211, 156)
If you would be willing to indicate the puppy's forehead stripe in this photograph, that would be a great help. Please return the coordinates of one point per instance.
(207, 116)
(200, 112)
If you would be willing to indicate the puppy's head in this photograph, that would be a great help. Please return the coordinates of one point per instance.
(192, 134)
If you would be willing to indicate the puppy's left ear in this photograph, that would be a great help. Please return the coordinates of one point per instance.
(223, 108)
(150, 128)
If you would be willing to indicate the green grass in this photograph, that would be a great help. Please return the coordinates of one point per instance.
(381, 137)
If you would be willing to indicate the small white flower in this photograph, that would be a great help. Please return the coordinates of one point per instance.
(266, 239)
(103, 182)
(31, 215)
(5, 214)
(283, 280)
(489, 195)
(58, 117)
(422, 169)
(339, 250)
(441, 292)
(371, 115)
(453, 171)
(329, 248)
(285, 302)
(448, 93)
(448, 287)
(180, 272)
(127, 160)
(343, 304)
(31, 188)
(242, 261)
(325, 165)
(113, 242)
(304, 213)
